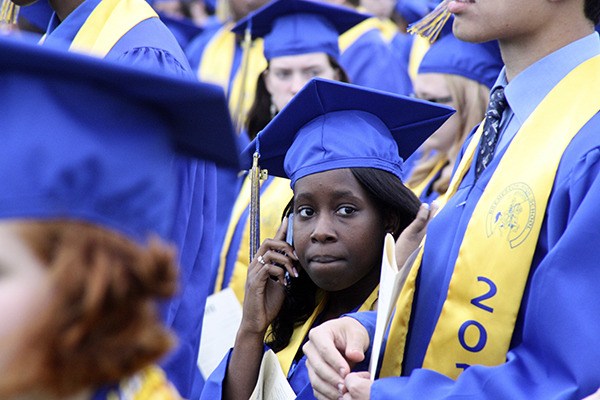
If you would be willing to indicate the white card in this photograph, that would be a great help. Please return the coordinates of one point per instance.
(222, 318)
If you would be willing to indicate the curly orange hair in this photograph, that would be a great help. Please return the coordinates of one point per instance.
(102, 323)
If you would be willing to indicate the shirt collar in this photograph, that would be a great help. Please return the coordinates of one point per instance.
(529, 88)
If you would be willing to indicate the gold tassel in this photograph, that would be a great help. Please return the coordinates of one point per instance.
(9, 12)
(256, 175)
(431, 25)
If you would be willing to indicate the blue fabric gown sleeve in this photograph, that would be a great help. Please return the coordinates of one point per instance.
(154, 60)
(213, 387)
(368, 319)
(555, 349)
(150, 45)
(194, 234)
(370, 62)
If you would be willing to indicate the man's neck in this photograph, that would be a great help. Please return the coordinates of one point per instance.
(518, 54)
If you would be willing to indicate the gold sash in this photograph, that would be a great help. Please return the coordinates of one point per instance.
(351, 35)
(217, 61)
(108, 23)
(420, 187)
(286, 356)
(149, 384)
(419, 47)
(486, 288)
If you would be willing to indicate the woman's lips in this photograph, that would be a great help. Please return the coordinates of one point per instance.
(324, 259)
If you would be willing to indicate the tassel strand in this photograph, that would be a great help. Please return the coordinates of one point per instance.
(431, 25)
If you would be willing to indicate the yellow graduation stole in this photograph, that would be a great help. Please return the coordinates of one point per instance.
(108, 23)
(419, 47)
(420, 187)
(347, 38)
(216, 63)
(486, 288)
(388, 29)
(286, 356)
(273, 200)
(150, 384)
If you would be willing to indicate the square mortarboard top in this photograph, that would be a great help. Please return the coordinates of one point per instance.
(331, 125)
(292, 27)
(91, 140)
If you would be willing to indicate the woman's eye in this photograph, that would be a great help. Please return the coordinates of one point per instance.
(346, 210)
(306, 212)
(282, 74)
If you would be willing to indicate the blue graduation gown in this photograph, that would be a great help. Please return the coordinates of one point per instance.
(554, 351)
(401, 45)
(196, 46)
(194, 233)
(370, 62)
(150, 45)
(182, 28)
(228, 181)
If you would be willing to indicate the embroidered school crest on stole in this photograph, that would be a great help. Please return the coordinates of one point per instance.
(512, 214)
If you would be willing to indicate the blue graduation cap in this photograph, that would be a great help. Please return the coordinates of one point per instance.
(87, 139)
(330, 125)
(414, 10)
(291, 27)
(480, 62)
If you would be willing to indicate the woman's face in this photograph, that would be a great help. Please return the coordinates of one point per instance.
(433, 87)
(338, 229)
(25, 288)
(288, 74)
(379, 8)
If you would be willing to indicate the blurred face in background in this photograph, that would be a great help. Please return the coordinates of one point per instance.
(286, 75)
(240, 8)
(379, 8)
(432, 87)
(25, 288)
